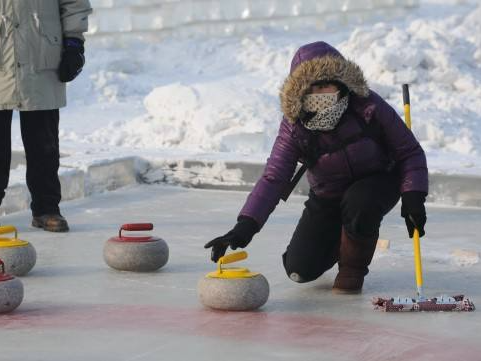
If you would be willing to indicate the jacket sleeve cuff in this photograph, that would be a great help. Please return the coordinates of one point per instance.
(75, 35)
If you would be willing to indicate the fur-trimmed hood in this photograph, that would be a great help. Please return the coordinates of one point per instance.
(313, 62)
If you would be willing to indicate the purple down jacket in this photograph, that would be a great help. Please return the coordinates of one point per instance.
(335, 172)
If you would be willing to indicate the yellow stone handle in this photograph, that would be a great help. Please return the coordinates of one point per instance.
(233, 257)
(233, 272)
(9, 229)
(230, 258)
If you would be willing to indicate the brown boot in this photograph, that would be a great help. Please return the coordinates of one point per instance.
(354, 259)
(348, 283)
(51, 223)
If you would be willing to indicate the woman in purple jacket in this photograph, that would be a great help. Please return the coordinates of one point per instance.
(361, 159)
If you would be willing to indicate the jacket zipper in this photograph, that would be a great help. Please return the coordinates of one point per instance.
(17, 64)
(3, 21)
(3, 25)
(351, 173)
(349, 167)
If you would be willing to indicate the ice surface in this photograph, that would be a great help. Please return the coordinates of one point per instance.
(77, 308)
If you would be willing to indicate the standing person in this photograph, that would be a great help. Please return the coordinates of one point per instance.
(361, 157)
(41, 49)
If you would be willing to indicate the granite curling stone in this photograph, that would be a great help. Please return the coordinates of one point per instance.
(233, 289)
(19, 256)
(11, 291)
(136, 253)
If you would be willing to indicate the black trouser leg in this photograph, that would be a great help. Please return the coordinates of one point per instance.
(314, 247)
(41, 143)
(366, 202)
(5, 150)
(316, 243)
(363, 207)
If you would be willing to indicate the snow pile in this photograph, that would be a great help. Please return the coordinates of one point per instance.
(217, 97)
(441, 59)
(464, 258)
(211, 117)
(221, 95)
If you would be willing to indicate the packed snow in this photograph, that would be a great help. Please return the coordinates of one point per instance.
(201, 97)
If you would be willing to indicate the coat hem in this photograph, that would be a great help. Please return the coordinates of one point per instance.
(30, 108)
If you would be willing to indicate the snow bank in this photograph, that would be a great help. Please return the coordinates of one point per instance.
(186, 116)
(220, 95)
(227, 17)
(441, 59)
(167, 100)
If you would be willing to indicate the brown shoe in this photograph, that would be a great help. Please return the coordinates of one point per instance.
(51, 223)
(354, 258)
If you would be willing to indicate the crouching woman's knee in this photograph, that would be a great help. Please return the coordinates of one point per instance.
(299, 272)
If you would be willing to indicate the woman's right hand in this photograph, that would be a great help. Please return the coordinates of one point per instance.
(238, 237)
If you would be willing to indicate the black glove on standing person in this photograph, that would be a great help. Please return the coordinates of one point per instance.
(239, 237)
(413, 211)
(73, 59)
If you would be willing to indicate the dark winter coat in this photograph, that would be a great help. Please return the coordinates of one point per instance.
(335, 172)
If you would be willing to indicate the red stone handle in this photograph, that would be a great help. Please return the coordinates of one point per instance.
(135, 227)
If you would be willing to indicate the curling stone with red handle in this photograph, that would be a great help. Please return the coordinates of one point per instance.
(233, 289)
(11, 291)
(19, 256)
(136, 253)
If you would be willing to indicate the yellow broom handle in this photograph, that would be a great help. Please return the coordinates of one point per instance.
(407, 112)
(416, 241)
(417, 259)
(407, 105)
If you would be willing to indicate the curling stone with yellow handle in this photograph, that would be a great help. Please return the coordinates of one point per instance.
(19, 256)
(233, 289)
(11, 291)
(136, 253)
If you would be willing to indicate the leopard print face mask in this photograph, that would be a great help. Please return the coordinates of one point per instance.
(328, 111)
(318, 102)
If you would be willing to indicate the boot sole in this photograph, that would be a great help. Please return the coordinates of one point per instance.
(342, 291)
(37, 224)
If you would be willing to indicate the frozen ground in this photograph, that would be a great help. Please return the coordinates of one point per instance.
(76, 308)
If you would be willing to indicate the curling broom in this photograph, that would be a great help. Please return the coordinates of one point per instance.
(421, 303)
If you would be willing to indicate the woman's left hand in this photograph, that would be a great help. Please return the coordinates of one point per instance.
(414, 212)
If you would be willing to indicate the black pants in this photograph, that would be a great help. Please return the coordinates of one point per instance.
(314, 247)
(40, 140)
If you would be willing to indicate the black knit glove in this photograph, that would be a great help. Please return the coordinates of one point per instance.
(239, 237)
(413, 211)
(73, 59)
